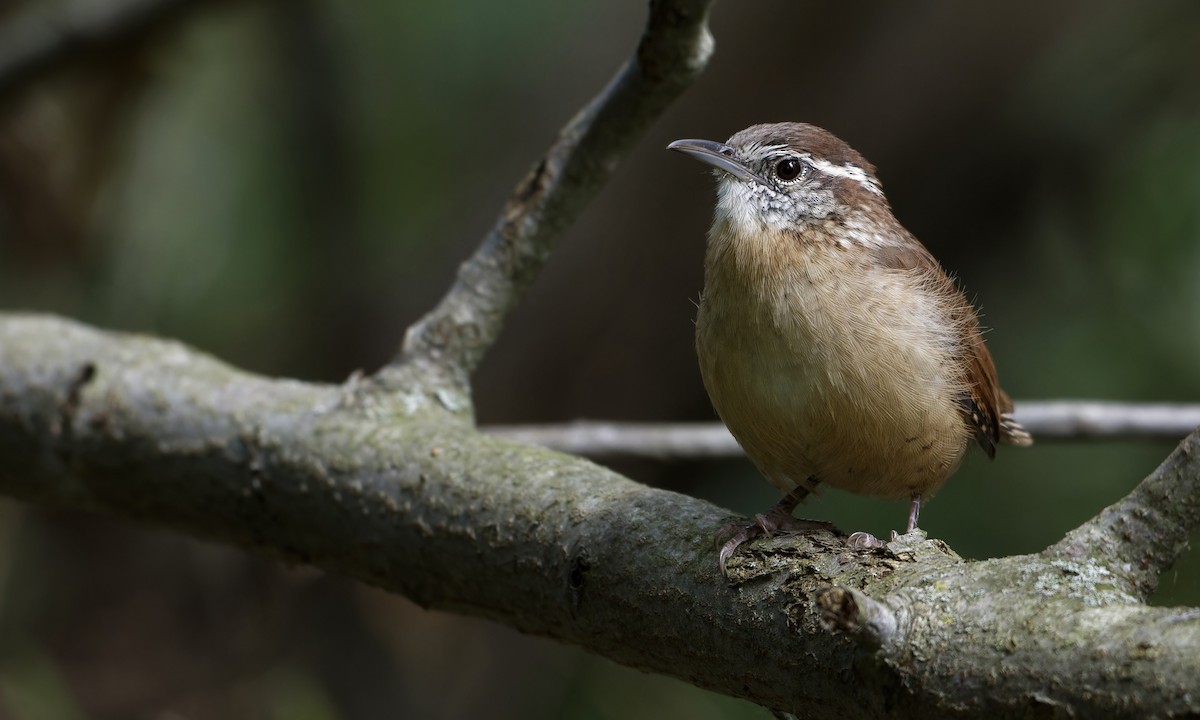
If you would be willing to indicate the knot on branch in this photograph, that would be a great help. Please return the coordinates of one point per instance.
(409, 388)
(867, 621)
(69, 406)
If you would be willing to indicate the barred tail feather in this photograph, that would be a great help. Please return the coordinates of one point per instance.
(1011, 432)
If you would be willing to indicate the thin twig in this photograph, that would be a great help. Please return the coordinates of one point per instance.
(673, 50)
(1059, 420)
(39, 43)
(600, 439)
(1096, 420)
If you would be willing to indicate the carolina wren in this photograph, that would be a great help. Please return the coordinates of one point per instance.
(832, 344)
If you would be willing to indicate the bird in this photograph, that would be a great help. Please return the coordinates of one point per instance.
(832, 344)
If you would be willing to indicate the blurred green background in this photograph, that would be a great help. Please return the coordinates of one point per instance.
(287, 185)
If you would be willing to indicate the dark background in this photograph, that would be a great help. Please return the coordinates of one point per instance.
(287, 185)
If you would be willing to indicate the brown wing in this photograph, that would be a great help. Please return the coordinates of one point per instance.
(987, 407)
(984, 405)
(984, 402)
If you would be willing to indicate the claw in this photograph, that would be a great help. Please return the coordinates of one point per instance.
(777, 519)
(742, 535)
(865, 541)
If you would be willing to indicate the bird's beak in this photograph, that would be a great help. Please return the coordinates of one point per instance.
(719, 155)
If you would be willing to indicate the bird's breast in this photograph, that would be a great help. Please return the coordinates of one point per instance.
(825, 367)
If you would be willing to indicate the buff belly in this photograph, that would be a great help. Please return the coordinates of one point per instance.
(848, 387)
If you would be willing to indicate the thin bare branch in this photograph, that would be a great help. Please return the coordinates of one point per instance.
(601, 439)
(1063, 420)
(673, 50)
(1094, 420)
(418, 502)
(32, 46)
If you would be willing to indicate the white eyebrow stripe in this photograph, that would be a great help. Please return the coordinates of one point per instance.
(851, 172)
(761, 149)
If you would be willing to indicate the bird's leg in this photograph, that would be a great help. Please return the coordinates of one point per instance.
(914, 511)
(867, 540)
(777, 519)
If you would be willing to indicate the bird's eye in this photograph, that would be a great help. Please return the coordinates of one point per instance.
(789, 169)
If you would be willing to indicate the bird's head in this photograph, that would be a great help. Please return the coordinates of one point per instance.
(786, 176)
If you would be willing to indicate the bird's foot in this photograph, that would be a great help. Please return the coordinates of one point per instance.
(777, 519)
(867, 541)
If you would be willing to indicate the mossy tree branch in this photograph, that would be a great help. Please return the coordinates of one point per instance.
(357, 480)
(387, 480)
(1141, 536)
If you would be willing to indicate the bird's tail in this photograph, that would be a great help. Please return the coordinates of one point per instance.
(1011, 432)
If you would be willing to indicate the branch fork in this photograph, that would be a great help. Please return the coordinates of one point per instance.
(384, 479)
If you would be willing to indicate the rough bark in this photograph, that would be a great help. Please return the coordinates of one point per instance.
(387, 480)
(412, 498)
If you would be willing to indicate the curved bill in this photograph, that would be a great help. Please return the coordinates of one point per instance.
(719, 155)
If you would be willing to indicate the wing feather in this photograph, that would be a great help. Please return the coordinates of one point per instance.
(985, 407)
